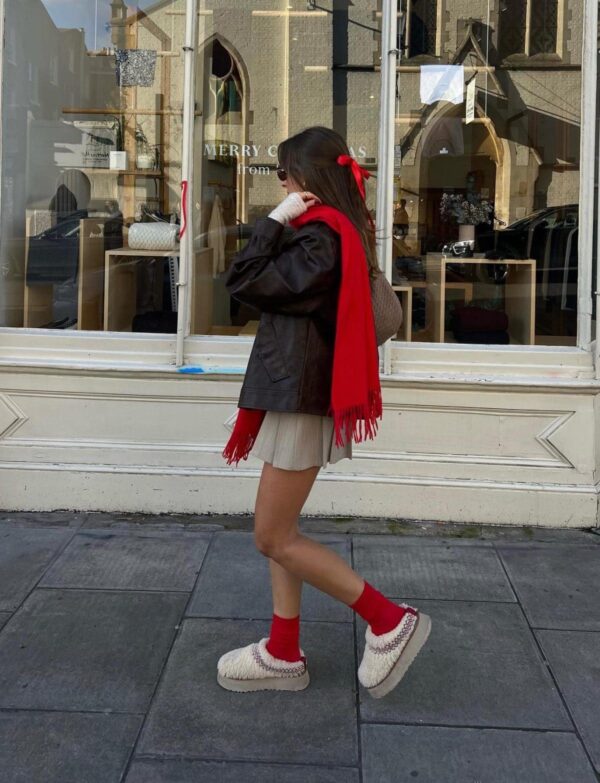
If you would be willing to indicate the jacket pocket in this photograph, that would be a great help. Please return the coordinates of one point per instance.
(267, 347)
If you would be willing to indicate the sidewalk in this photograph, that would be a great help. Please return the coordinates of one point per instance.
(111, 628)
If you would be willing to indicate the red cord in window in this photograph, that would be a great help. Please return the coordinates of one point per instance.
(184, 187)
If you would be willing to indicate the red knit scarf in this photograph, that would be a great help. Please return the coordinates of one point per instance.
(355, 389)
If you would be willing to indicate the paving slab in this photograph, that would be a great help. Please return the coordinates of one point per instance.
(54, 747)
(235, 582)
(541, 535)
(129, 561)
(403, 754)
(87, 649)
(479, 667)
(574, 658)
(100, 520)
(557, 586)
(432, 571)
(422, 541)
(191, 715)
(24, 554)
(73, 519)
(234, 772)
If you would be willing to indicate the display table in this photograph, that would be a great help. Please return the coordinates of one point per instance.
(120, 287)
(465, 287)
(519, 293)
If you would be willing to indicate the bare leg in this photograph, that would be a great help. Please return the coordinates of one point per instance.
(286, 587)
(287, 591)
(281, 496)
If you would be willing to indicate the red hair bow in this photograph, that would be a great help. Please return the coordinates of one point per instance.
(358, 172)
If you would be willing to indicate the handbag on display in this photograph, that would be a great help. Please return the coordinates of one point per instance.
(53, 254)
(387, 309)
(153, 236)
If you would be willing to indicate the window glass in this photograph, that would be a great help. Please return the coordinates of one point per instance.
(265, 71)
(487, 176)
(486, 172)
(92, 128)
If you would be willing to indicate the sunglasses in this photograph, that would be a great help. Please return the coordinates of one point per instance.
(282, 174)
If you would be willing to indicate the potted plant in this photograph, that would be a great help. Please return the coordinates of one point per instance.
(145, 157)
(469, 212)
(118, 156)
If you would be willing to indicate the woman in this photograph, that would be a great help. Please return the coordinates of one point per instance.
(310, 389)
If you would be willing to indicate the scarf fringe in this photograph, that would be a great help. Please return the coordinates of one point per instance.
(358, 422)
(245, 432)
(238, 448)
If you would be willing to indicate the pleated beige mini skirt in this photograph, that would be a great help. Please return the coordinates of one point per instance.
(296, 441)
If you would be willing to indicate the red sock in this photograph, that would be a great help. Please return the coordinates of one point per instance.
(284, 638)
(381, 613)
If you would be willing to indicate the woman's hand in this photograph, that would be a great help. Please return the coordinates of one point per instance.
(294, 205)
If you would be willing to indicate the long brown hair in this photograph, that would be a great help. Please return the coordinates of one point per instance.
(310, 157)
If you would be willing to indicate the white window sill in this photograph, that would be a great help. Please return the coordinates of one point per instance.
(217, 355)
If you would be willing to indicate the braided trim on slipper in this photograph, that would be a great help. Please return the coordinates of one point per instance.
(407, 626)
(289, 670)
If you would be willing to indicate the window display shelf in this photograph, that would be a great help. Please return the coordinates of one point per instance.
(112, 110)
(519, 287)
(154, 173)
(120, 286)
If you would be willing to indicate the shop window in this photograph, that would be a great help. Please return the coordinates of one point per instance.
(248, 104)
(487, 174)
(487, 219)
(528, 27)
(92, 150)
(95, 170)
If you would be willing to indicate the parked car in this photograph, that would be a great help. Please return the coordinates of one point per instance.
(525, 238)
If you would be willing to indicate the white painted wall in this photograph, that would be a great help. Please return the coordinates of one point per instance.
(468, 452)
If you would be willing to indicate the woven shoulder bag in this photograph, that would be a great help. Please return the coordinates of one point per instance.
(387, 310)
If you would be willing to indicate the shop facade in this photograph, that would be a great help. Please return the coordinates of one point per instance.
(120, 367)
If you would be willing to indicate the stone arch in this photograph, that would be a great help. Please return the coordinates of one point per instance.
(241, 178)
(414, 160)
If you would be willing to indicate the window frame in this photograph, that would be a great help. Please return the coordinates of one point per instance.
(491, 360)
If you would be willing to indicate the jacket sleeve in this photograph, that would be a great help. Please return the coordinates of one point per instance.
(290, 279)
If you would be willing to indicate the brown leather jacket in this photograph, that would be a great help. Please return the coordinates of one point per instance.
(293, 279)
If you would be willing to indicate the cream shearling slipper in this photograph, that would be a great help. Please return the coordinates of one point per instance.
(253, 668)
(387, 656)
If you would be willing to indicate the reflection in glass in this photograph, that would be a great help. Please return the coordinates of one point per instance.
(487, 181)
(487, 117)
(264, 72)
(92, 137)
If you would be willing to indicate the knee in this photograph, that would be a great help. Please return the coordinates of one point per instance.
(272, 545)
(266, 543)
